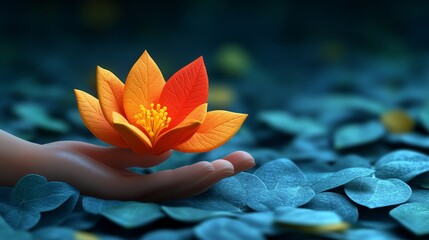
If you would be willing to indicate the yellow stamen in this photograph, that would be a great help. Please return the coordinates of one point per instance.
(154, 120)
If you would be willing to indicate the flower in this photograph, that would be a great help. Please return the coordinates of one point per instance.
(151, 115)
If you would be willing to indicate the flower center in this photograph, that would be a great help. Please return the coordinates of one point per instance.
(153, 120)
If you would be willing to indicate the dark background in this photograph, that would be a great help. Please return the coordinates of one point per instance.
(259, 54)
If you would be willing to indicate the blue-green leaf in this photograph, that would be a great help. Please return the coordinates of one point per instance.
(402, 164)
(133, 214)
(95, 205)
(334, 202)
(420, 196)
(413, 216)
(34, 193)
(225, 228)
(59, 214)
(309, 220)
(281, 173)
(227, 195)
(260, 198)
(181, 234)
(354, 135)
(264, 221)
(374, 193)
(280, 197)
(339, 178)
(18, 218)
(7, 232)
(189, 214)
(286, 123)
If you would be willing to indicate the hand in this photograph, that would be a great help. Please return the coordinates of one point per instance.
(102, 171)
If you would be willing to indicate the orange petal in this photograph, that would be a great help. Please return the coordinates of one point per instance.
(143, 86)
(92, 116)
(185, 90)
(218, 127)
(136, 139)
(110, 93)
(179, 134)
(182, 132)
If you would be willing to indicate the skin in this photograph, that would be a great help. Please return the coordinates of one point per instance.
(102, 171)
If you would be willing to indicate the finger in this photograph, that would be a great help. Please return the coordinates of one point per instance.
(162, 185)
(112, 156)
(223, 169)
(99, 180)
(241, 160)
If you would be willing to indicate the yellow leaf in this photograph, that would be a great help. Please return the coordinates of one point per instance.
(136, 139)
(110, 93)
(92, 116)
(218, 127)
(142, 86)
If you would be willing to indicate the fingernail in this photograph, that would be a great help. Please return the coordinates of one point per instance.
(223, 165)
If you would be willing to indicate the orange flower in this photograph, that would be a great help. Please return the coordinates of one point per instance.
(152, 116)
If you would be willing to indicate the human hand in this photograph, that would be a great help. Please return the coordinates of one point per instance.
(102, 171)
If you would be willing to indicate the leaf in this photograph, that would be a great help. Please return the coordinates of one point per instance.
(7, 232)
(271, 199)
(410, 139)
(53, 233)
(289, 124)
(374, 193)
(369, 234)
(339, 178)
(185, 90)
(259, 198)
(423, 116)
(342, 102)
(308, 220)
(143, 86)
(413, 216)
(218, 127)
(226, 195)
(225, 228)
(281, 173)
(181, 234)
(36, 115)
(188, 214)
(397, 121)
(402, 164)
(92, 116)
(133, 214)
(33, 193)
(59, 214)
(18, 218)
(132, 135)
(95, 205)
(263, 221)
(110, 91)
(334, 202)
(419, 196)
(354, 135)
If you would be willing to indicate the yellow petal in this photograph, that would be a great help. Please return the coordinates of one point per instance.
(136, 139)
(182, 132)
(218, 127)
(110, 93)
(142, 87)
(92, 116)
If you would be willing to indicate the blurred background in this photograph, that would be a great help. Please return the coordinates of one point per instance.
(260, 55)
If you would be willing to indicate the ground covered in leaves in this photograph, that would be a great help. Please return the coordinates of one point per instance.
(339, 133)
(329, 165)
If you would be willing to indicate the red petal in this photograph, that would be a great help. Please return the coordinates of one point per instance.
(185, 90)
